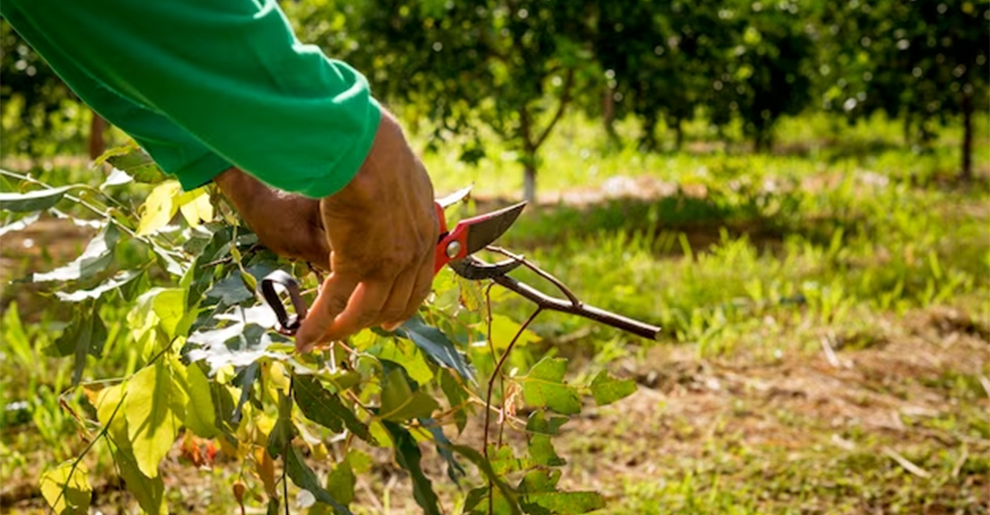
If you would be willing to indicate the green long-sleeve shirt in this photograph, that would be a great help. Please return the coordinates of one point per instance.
(205, 84)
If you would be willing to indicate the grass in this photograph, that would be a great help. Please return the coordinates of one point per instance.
(824, 311)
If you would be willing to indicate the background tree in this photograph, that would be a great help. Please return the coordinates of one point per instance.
(510, 66)
(924, 61)
(41, 116)
(768, 66)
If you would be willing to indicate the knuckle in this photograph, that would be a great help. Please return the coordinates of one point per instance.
(337, 304)
(393, 315)
(367, 319)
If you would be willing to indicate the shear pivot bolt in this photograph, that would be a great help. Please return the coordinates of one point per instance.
(453, 249)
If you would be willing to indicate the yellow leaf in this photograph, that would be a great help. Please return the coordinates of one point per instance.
(200, 416)
(278, 377)
(504, 329)
(195, 206)
(159, 208)
(106, 404)
(154, 414)
(67, 491)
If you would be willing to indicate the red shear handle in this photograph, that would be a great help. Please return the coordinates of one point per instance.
(452, 245)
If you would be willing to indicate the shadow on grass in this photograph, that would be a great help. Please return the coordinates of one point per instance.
(700, 219)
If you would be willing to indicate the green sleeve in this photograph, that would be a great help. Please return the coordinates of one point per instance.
(205, 84)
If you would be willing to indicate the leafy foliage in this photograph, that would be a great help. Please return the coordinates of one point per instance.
(209, 365)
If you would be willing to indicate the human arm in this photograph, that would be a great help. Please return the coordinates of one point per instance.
(232, 75)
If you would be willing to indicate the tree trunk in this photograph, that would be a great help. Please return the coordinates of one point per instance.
(648, 140)
(907, 130)
(678, 134)
(529, 182)
(608, 113)
(97, 145)
(967, 142)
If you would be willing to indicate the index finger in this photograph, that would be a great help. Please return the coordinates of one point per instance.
(332, 300)
(363, 310)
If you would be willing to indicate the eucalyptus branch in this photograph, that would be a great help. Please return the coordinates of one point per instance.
(89, 446)
(99, 212)
(491, 385)
(572, 305)
(540, 272)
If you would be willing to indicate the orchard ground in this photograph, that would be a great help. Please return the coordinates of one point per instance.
(826, 344)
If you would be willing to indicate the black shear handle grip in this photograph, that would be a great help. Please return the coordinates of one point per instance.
(288, 324)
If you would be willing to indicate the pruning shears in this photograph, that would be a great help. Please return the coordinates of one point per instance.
(454, 248)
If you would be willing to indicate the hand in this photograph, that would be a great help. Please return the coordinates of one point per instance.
(383, 230)
(290, 225)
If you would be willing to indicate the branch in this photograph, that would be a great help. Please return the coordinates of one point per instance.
(564, 100)
(538, 271)
(572, 305)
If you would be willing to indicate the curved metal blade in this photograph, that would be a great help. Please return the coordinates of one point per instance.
(474, 269)
(484, 229)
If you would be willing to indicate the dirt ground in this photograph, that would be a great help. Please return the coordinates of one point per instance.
(906, 401)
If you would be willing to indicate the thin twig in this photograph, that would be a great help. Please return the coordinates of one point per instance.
(491, 385)
(904, 462)
(547, 302)
(540, 272)
(75, 464)
(285, 481)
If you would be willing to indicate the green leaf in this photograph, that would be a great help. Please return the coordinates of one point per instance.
(408, 456)
(135, 162)
(149, 492)
(539, 423)
(96, 258)
(19, 225)
(486, 469)
(454, 469)
(607, 389)
(341, 480)
(120, 279)
(37, 200)
(407, 355)
(284, 430)
(503, 460)
(117, 177)
(305, 478)
(542, 453)
(84, 337)
(170, 306)
(230, 290)
(153, 415)
(237, 344)
(326, 409)
(436, 345)
(477, 503)
(456, 396)
(200, 414)
(544, 387)
(540, 495)
(244, 380)
(400, 402)
(67, 491)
